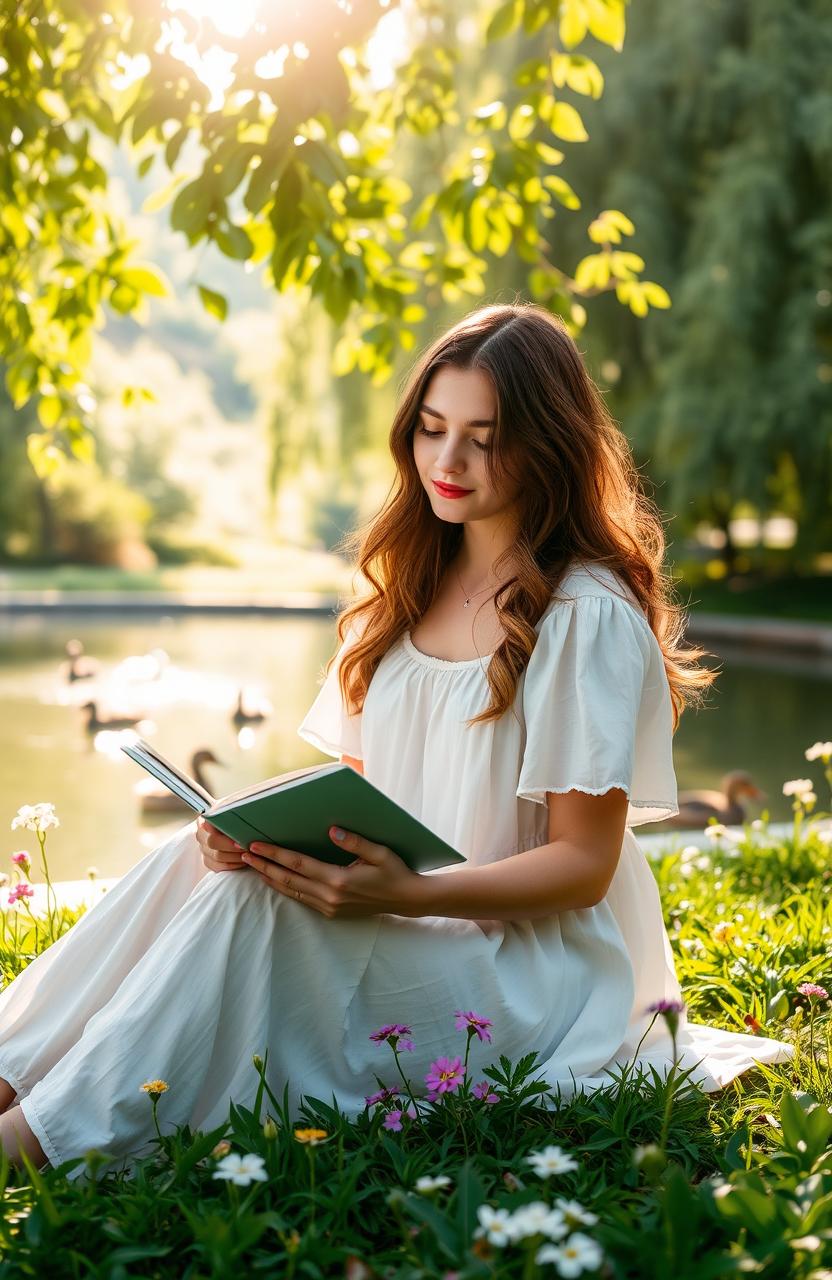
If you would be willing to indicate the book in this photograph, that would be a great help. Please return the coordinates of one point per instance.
(297, 809)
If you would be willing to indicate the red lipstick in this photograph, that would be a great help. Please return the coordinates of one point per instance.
(450, 490)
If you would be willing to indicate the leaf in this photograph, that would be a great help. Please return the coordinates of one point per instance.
(504, 20)
(606, 21)
(213, 302)
(146, 280)
(573, 22)
(566, 123)
(655, 295)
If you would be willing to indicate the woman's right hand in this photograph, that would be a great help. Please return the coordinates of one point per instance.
(219, 852)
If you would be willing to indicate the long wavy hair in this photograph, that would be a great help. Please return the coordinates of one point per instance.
(581, 497)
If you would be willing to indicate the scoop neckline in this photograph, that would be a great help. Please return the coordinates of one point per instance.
(430, 660)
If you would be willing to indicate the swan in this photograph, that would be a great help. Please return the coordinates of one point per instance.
(155, 798)
(79, 667)
(254, 714)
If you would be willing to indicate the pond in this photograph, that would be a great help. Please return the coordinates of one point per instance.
(762, 715)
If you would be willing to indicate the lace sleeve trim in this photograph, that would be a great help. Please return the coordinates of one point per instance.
(600, 791)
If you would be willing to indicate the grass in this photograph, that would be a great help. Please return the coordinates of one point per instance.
(662, 1179)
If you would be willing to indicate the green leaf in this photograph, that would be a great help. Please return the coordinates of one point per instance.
(233, 241)
(566, 123)
(213, 302)
(146, 280)
(504, 20)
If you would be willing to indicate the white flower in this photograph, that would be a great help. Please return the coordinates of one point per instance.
(819, 751)
(537, 1218)
(689, 852)
(551, 1160)
(426, 1184)
(571, 1209)
(796, 786)
(35, 817)
(758, 825)
(578, 1253)
(718, 831)
(241, 1169)
(495, 1224)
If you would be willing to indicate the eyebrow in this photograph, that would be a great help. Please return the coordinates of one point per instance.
(474, 422)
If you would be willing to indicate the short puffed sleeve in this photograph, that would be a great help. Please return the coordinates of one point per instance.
(597, 709)
(327, 724)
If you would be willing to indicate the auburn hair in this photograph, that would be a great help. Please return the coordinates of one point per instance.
(581, 497)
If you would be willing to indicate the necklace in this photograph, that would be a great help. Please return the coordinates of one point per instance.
(468, 598)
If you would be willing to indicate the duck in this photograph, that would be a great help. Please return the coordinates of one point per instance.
(78, 666)
(255, 713)
(155, 798)
(95, 722)
(726, 805)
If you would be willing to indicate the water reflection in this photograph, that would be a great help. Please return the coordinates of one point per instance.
(184, 676)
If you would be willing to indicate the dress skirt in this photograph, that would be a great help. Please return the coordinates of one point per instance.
(184, 974)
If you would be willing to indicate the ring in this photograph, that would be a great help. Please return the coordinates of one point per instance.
(297, 891)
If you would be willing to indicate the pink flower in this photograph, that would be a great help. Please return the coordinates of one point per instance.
(383, 1095)
(445, 1076)
(21, 890)
(665, 1006)
(473, 1022)
(481, 1091)
(812, 989)
(391, 1033)
(21, 858)
(393, 1119)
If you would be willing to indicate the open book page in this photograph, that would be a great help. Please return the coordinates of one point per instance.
(270, 785)
(180, 783)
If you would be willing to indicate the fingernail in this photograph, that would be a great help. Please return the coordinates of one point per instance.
(338, 833)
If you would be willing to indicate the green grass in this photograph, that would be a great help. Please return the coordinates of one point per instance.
(683, 1184)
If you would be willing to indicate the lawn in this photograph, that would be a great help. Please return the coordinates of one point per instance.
(644, 1179)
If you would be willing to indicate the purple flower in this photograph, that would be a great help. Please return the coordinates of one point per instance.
(812, 989)
(472, 1022)
(445, 1076)
(393, 1119)
(383, 1095)
(391, 1033)
(666, 1006)
(481, 1090)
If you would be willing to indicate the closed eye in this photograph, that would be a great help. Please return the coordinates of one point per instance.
(431, 434)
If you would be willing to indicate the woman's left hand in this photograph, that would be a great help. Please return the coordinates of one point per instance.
(378, 881)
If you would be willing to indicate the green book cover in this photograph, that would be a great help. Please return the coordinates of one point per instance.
(297, 811)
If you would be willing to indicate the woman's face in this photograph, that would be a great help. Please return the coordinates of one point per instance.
(449, 445)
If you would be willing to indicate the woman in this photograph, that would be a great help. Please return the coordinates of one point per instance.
(513, 677)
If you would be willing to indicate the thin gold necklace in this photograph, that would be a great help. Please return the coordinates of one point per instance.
(468, 598)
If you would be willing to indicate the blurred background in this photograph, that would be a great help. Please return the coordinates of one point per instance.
(230, 485)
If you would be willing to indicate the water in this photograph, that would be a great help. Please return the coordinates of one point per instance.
(763, 714)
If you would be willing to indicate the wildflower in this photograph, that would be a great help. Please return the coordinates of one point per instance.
(155, 1088)
(21, 858)
(221, 1149)
(579, 1253)
(758, 825)
(752, 1023)
(819, 751)
(474, 1024)
(269, 1129)
(21, 890)
(670, 1010)
(426, 1185)
(576, 1213)
(35, 817)
(257, 1062)
(495, 1225)
(551, 1160)
(393, 1119)
(723, 931)
(715, 831)
(391, 1033)
(484, 1092)
(312, 1136)
(241, 1169)
(813, 991)
(383, 1095)
(535, 1219)
(445, 1076)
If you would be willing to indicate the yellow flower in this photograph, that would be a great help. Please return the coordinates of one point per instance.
(724, 931)
(155, 1087)
(312, 1136)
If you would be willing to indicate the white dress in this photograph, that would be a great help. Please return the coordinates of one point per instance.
(182, 973)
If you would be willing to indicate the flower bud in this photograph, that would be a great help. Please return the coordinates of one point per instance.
(651, 1159)
(269, 1129)
(258, 1062)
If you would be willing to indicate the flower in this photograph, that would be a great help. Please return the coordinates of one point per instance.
(819, 751)
(495, 1224)
(221, 1149)
(715, 830)
(393, 1119)
(723, 931)
(578, 1253)
(20, 890)
(312, 1136)
(425, 1185)
(155, 1088)
(383, 1095)
(813, 991)
(473, 1023)
(445, 1076)
(241, 1169)
(536, 1219)
(576, 1213)
(751, 1022)
(22, 859)
(484, 1092)
(666, 1006)
(35, 817)
(551, 1160)
(391, 1033)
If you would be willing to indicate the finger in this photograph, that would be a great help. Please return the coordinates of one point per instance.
(310, 869)
(289, 886)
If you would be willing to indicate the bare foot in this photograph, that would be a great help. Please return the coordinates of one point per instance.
(16, 1136)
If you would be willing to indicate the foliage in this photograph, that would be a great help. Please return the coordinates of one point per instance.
(298, 173)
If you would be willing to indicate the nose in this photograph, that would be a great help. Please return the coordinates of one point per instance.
(448, 455)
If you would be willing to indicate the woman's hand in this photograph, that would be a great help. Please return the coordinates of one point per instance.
(378, 881)
(219, 852)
